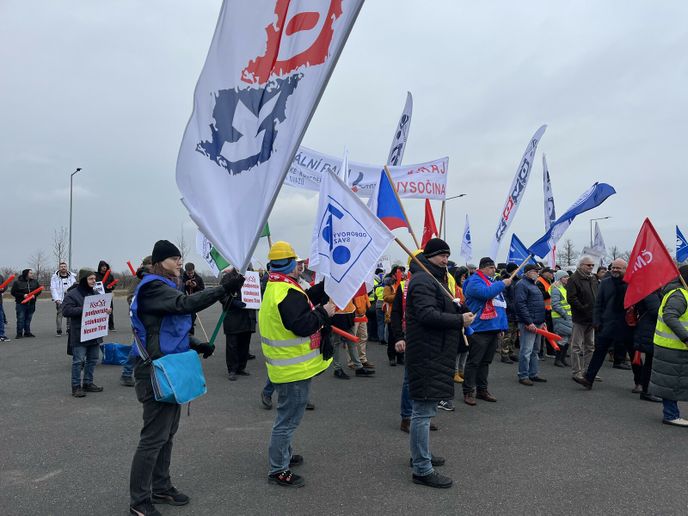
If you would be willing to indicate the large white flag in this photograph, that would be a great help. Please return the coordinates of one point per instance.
(466, 242)
(266, 69)
(347, 242)
(518, 187)
(396, 152)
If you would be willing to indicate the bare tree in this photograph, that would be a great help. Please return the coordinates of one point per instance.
(183, 244)
(60, 239)
(39, 263)
(614, 252)
(567, 255)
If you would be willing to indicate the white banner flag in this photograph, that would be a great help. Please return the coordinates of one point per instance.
(396, 152)
(266, 69)
(348, 240)
(419, 181)
(466, 242)
(550, 212)
(516, 191)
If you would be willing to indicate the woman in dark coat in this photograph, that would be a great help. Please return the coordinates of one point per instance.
(647, 311)
(84, 353)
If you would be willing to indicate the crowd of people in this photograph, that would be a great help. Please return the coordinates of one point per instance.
(442, 322)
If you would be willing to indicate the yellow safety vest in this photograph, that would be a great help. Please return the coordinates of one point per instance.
(564, 302)
(664, 337)
(373, 293)
(451, 283)
(288, 357)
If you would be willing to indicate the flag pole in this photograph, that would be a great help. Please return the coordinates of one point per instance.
(441, 220)
(396, 194)
(270, 241)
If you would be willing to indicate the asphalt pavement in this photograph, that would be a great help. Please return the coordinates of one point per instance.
(552, 448)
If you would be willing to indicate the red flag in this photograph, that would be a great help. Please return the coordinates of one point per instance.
(429, 226)
(650, 266)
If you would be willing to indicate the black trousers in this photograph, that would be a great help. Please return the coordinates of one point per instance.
(236, 352)
(150, 469)
(391, 350)
(602, 347)
(481, 350)
(646, 372)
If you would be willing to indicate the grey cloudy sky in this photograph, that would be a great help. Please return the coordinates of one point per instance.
(108, 86)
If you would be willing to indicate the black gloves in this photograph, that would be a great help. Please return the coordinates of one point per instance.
(235, 302)
(203, 348)
(326, 347)
(232, 282)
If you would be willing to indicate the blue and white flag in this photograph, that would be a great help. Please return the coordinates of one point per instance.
(550, 212)
(598, 242)
(266, 68)
(396, 152)
(347, 241)
(516, 191)
(681, 247)
(466, 242)
(592, 198)
(518, 252)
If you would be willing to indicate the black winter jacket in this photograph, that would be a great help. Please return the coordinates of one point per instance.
(510, 298)
(239, 320)
(433, 330)
(609, 315)
(72, 307)
(21, 286)
(99, 276)
(530, 305)
(644, 333)
(581, 292)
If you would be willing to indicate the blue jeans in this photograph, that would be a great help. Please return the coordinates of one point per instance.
(527, 355)
(421, 457)
(406, 406)
(86, 358)
(2, 321)
(292, 398)
(381, 326)
(24, 316)
(269, 388)
(670, 410)
(128, 367)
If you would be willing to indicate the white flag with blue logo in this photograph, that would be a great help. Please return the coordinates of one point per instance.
(266, 68)
(681, 247)
(348, 240)
(466, 243)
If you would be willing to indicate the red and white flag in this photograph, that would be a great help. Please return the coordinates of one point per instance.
(429, 226)
(650, 266)
(266, 69)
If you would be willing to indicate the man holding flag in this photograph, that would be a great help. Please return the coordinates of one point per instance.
(295, 352)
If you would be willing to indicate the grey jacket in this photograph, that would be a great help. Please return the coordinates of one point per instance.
(562, 325)
(670, 366)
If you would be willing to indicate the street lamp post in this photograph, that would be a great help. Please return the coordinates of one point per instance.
(71, 184)
(443, 222)
(593, 220)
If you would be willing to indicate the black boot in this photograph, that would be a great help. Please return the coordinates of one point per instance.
(558, 359)
(564, 350)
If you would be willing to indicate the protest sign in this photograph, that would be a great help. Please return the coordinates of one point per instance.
(94, 316)
(250, 292)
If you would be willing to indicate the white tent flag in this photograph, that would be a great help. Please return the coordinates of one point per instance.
(466, 242)
(266, 69)
(347, 242)
(396, 152)
(518, 187)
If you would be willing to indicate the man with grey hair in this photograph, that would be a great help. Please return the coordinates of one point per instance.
(609, 320)
(581, 292)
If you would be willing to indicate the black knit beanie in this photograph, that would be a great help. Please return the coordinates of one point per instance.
(486, 262)
(436, 246)
(164, 249)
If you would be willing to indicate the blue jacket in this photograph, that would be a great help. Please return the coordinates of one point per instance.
(530, 304)
(477, 294)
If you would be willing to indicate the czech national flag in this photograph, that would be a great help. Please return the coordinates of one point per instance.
(385, 205)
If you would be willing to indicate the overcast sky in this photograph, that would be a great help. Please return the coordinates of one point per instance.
(107, 86)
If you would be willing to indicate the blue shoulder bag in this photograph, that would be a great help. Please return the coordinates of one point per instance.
(176, 378)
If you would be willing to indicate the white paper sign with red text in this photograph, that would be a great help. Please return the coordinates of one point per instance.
(94, 317)
(250, 292)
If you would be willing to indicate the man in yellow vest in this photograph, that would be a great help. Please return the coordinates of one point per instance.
(561, 316)
(670, 362)
(291, 341)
